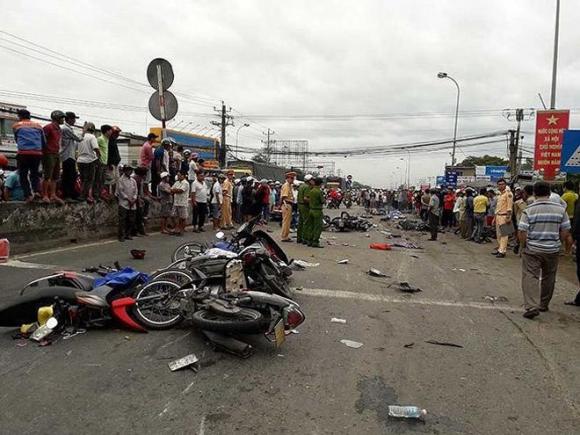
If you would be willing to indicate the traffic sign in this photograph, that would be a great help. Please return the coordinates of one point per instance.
(168, 101)
(571, 152)
(160, 69)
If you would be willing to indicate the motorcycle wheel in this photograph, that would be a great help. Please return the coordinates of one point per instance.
(278, 285)
(190, 249)
(245, 321)
(345, 215)
(155, 312)
(178, 276)
(326, 221)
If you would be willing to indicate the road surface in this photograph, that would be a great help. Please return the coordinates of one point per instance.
(510, 376)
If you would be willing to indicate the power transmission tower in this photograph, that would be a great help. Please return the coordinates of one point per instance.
(268, 149)
(226, 120)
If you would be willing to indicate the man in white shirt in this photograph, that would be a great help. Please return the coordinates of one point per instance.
(180, 190)
(199, 202)
(127, 193)
(216, 200)
(88, 155)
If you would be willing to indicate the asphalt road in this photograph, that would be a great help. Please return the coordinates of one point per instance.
(511, 375)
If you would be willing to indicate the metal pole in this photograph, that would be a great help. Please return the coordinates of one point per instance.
(161, 100)
(555, 65)
(456, 116)
(223, 137)
(409, 169)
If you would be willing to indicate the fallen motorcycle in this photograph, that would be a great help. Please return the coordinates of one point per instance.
(221, 305)
(77, 300)
(243, 237)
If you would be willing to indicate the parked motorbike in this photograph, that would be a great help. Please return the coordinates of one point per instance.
(221, 305)
(75, 301)
(345, 222)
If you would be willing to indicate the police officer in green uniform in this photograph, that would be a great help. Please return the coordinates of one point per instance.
(303, 210)
(315, 216)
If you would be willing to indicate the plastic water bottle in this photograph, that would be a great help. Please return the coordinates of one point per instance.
(407, 412)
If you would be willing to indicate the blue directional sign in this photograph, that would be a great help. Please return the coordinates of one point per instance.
(451, 178)
(570, 157)
(495, 172)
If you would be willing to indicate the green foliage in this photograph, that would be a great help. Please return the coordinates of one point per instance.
(485, 160)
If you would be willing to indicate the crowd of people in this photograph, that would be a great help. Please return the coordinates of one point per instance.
(535, 220)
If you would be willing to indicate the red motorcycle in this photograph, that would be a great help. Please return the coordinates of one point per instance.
(77, 300)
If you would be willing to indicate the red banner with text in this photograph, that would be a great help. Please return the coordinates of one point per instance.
(550, 126)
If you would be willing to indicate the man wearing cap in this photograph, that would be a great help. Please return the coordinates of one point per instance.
(316, 200)
(146, 155)
(227, 192)
(286, 199)
(303, 209)
(68, 151)
(50, 157)
(30, 141)
(503, 215)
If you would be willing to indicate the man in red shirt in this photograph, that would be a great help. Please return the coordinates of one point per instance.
(51, 157)
(146, 155)
(448, 204)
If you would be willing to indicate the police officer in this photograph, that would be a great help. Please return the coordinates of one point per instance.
(316, 199)
(286, 200)
(303, 209)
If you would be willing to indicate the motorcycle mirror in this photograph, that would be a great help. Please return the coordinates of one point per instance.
(51, 323)
(220, 235)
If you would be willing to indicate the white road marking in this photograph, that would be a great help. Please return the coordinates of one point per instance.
(339, 294)
(201, 430)
(68, 248)
(25, 265)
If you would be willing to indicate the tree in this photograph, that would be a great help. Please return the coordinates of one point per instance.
(485, 160)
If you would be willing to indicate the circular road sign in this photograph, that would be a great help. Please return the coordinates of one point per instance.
(170, 106)
(166, 73)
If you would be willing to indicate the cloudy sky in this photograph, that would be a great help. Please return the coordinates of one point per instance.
(294, 66)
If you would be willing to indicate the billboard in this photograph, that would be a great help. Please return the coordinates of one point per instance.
(205, 147)
(550, 126)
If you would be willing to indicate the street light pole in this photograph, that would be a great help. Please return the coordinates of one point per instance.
(555, 64)
(238, 136)
(443, 75)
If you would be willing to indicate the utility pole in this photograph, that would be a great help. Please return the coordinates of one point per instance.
(514, 144)
(268, 150)
(226, 120)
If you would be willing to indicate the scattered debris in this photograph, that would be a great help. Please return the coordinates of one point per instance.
(380, 246)
(407, 244)
(337, 320)
(376, 272)
(299, 288)
(301, 264)
(345, 261)
(443, 343)
(408, 288)
(138, 254)
(187, 361)
(494, 299)
(411, 412)
(330, 243)
(414, 256)
(409, 345)
(353, 344)
(367, 235)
